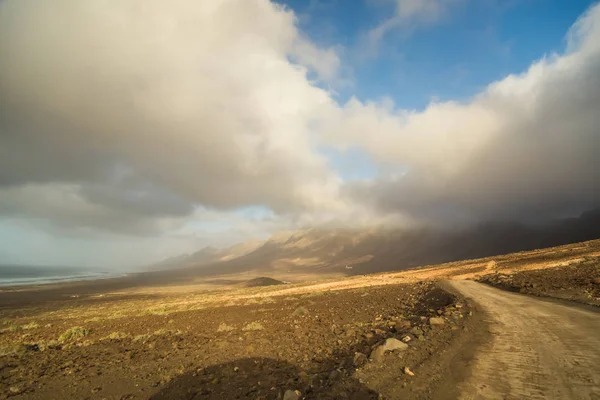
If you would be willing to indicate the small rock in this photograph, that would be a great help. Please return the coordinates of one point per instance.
(416, 331)
(408, 372)
(300, 311)
(360, 359)
(390, 344)
(402, 324)
(436, 321)
(335, 375)
(291, 395)
(303, 375)
(597, 281)
(236, 369)
(407, 338)
(96, 389)
(16, 390)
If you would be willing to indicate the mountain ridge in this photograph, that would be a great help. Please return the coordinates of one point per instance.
(358, 251)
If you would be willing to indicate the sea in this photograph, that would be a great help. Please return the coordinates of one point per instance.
(19, 275)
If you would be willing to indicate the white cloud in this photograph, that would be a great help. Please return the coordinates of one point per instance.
(193, 98)
(155, 118)
(526, 147)
(408, 15)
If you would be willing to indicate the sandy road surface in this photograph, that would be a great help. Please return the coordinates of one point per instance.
(539, 349)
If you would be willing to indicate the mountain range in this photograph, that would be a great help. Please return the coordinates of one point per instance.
(360, 251)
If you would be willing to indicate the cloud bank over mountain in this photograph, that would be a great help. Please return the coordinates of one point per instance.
(149, 118)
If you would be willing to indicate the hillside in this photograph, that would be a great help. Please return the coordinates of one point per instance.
(376, 250)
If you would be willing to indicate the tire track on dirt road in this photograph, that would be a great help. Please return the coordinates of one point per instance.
(539, 349)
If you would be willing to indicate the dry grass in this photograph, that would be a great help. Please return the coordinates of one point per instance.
(223, 327)
(117, 336)
(253, 326)
(74, 333)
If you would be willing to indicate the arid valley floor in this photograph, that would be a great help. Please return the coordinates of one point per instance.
(425, 333)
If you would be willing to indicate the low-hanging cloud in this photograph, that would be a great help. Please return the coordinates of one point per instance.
(525, 148)
(131, 116)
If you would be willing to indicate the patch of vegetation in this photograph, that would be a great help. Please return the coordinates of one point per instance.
(262, 281)
(163, 332)
(31, 325)
(18, 349)
(223, 327)
(43, 345)
(253, 326)
(156, 311)
(74, 333)
(142, 338)
(117, 336)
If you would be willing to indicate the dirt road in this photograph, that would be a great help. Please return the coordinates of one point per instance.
(539, 349)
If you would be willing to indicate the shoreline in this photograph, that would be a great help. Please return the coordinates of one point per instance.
(24, 283)
(37, 294)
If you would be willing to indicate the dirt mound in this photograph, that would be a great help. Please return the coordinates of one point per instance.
(262, 281)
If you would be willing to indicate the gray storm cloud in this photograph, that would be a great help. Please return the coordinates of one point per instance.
(130, 115)
(152, 108)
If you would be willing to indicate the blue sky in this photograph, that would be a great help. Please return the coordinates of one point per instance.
(473, 44)
(452, 59)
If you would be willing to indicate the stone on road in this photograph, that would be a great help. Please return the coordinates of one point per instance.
(539, 349)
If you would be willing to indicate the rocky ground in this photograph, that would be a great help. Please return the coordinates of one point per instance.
(398, 335)
(578, 281)
(369, 343)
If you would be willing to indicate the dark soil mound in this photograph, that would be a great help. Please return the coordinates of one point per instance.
(262, 281)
